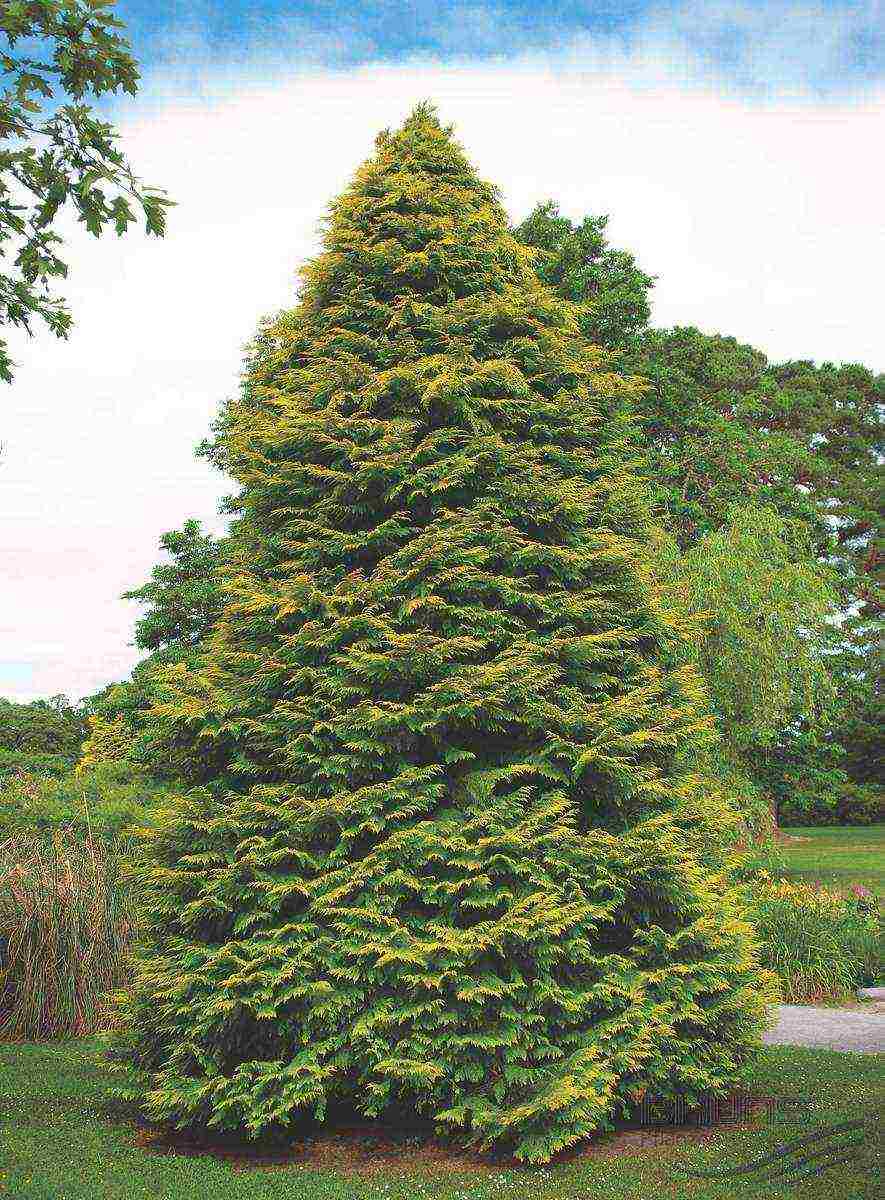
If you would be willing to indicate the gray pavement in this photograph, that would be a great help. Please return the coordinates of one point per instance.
(828, 1028)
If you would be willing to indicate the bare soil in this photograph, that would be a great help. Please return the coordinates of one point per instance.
(373, 1147)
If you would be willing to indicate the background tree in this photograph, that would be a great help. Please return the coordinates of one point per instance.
(859, 672)
(579, 263)
(764, 607)
(42, 727)
(182, 597)
(454, 853)
(708, 447)
(42, 738)
(55, 55)
(182, 600)
(722, 421)
(723, 424)
(836, 414)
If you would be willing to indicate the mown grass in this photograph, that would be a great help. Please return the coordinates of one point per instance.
(60, 1140)
(837, 856)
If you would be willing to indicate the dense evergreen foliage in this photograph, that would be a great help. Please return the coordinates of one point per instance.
(446, 847)
(721, 429)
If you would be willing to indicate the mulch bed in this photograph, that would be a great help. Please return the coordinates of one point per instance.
(375, 1147)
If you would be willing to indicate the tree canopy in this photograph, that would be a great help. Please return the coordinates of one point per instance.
(182, 597)
(43, 727)
(579, 263)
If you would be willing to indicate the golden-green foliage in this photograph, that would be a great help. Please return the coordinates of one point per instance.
(444, 848)
(64, 932)
(108, 741)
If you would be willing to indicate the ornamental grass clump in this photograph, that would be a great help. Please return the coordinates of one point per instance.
(64, 932)
(821, 943)
(446, 844)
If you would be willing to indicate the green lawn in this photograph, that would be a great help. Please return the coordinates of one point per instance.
(60, 1140)
(838, 855)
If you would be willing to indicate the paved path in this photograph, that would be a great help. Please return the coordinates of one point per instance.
(828, 1028)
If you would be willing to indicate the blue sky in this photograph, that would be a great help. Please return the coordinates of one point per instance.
(734, 145)
(830, 45)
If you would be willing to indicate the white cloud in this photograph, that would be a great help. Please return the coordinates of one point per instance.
(761, 220)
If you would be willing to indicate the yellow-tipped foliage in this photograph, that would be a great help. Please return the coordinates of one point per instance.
(443, 848)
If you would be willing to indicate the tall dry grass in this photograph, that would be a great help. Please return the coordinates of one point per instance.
(65, 927)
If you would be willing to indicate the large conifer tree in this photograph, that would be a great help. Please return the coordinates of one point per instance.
(445, 847)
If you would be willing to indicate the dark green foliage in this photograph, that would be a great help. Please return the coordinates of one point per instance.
(56, 55)
(837, 415)
(53, 727)
(578, 262)
(859, 671)
(711, 442)
(447, 851)
(182, 598)
(848, 803)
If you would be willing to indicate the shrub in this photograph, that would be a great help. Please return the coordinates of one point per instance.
(64, 931)
(105, 801)
(821, 943)
(18, 762)
(52, 726)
